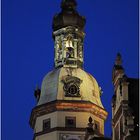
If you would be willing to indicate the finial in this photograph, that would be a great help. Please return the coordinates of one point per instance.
(89, 130)
(68, 4)
(90, 120)
(118, 68)
(90, 124)
(100, 91)
(37, 92)
(118, 59)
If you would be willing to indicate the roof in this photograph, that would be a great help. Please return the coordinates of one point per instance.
(54, 86)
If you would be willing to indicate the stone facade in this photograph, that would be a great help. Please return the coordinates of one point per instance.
(125, 104)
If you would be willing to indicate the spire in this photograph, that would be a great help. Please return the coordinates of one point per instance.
(118, 62)
(68, 4)
(118, 59)
(118, 68)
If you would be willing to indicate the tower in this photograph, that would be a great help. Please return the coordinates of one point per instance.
(125, 104)
(69, 96)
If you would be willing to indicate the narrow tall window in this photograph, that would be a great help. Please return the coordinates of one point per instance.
(46, 124)
(70, 121)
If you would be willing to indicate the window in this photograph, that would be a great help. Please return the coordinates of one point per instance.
(46, 124)
(70, 121)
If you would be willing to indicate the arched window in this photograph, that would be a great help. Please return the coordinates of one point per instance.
(69, 52)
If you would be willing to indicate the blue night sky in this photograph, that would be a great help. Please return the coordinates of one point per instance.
(28, 52)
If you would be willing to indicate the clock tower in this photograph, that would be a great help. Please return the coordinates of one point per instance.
(69, 96)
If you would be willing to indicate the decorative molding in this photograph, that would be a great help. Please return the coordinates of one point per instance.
(59, 129)
(64, 129)
(71, 106)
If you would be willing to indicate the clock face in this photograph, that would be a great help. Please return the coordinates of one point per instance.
(71, 86)
(73, 89)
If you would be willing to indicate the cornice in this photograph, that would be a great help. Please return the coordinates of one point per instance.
(71, 106)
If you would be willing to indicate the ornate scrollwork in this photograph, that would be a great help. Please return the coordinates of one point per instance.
(71, 86)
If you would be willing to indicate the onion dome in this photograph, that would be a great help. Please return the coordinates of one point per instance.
(68, 16)
(69, 84)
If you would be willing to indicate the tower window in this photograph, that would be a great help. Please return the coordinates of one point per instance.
(70, 121)
(46, 124)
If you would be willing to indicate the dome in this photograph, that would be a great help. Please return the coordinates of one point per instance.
(85, 86)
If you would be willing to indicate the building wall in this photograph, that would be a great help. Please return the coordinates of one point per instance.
(58, 120)
(124, 102)
(58, 135)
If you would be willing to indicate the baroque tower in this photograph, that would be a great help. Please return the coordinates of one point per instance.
(69, 96)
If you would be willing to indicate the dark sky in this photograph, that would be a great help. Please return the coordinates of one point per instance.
(28, 52)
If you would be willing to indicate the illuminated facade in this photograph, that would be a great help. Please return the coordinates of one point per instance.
(69, 96)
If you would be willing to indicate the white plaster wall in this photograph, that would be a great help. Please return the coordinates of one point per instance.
(58, 120)
(39, 121)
